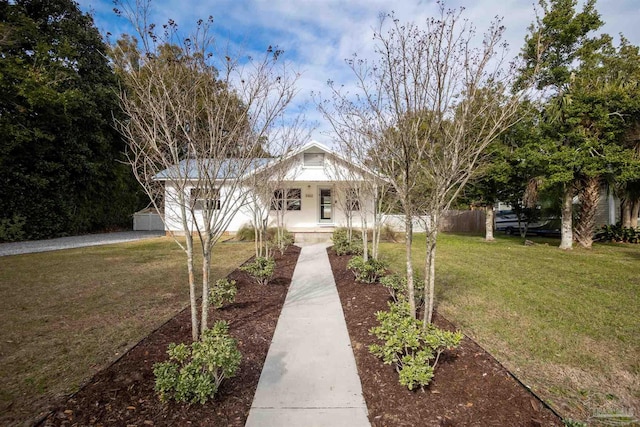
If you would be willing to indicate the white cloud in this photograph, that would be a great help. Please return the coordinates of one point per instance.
(318, 35)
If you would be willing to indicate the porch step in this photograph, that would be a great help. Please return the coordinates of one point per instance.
(312, 237)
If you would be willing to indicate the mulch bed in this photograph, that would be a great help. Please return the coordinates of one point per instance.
(123, 393)
(470, 387)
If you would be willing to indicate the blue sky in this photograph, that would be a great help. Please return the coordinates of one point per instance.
(318, 35)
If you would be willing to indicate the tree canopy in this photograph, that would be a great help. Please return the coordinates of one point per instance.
(59, 154)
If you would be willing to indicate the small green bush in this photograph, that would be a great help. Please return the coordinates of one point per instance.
(222, 292)
(343, 246)
(12, 229)
(246, 233)
(261, 269)
(618, 233)
(412, 349)
(398, 289)
(388, 234)
(282, 242)
(194, 373)
(367, 271)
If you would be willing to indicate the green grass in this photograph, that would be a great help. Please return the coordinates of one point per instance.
(565, 322)
(67, 314)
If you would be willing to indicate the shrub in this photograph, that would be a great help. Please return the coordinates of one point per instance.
(282, 242)
(343, 246)
(246, 233)
(388, 234)
(194, 373)
(261, 269)
(397, 287)
(12, 229)
(618, 233)
(412, 349)
(367, 271)
(222, 292)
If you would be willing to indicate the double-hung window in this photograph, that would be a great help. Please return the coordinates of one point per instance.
(290, 197)
(201, 200)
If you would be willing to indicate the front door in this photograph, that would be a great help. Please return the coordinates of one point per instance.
(326, 205)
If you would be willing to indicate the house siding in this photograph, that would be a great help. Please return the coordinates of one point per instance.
(333, 174)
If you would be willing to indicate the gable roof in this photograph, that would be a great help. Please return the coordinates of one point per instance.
(189, 168)
(311, 145)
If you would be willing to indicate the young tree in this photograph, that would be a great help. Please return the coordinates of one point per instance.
(430, 106)
(268, 182)
(196, 119)
(360, 189)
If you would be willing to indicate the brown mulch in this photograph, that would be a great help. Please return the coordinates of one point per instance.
(123, 393)
(470, 387)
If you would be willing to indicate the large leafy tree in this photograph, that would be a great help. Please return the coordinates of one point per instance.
(588, 110)
(509, 171)
(59, 151)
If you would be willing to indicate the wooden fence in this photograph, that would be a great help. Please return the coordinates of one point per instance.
(463, 221)
(452, 221)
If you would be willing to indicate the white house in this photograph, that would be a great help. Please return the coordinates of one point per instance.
(316, 188)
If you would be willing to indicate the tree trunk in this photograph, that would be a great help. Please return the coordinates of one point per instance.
(365, 243)
(195, 328)
(430, 271)
(488, 223)
(635, 211)
(375, 232)
(206, 270)
(589, 197)
(625, 212)
(408, 240)
(566, 241)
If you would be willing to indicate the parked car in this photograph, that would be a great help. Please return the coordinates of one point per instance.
(507, 221)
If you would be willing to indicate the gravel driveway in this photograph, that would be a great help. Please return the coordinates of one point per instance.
(75, 242)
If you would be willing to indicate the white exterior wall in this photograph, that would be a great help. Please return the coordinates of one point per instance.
(172, 211)
(310, 180)
(308, 217)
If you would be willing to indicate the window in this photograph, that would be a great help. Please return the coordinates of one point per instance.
(199, 199)
(353, 199)
(313, 159)
(292, 197)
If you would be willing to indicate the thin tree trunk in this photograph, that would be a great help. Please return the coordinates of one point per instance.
(257, 234)
(193, 299)
(430, 271)
(566, 241)
(365, 243)
(635, 211)
(488, 223)
(206, 270)
(195, 328)
(589, 197)
(408, 239)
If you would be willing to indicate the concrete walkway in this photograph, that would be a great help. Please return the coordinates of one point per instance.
(310, 377)
(18, 248)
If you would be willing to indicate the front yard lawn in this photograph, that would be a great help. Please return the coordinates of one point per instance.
(66, 314)
(565, 323)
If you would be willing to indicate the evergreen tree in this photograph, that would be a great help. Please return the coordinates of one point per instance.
(588, 111)
(59, 152)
